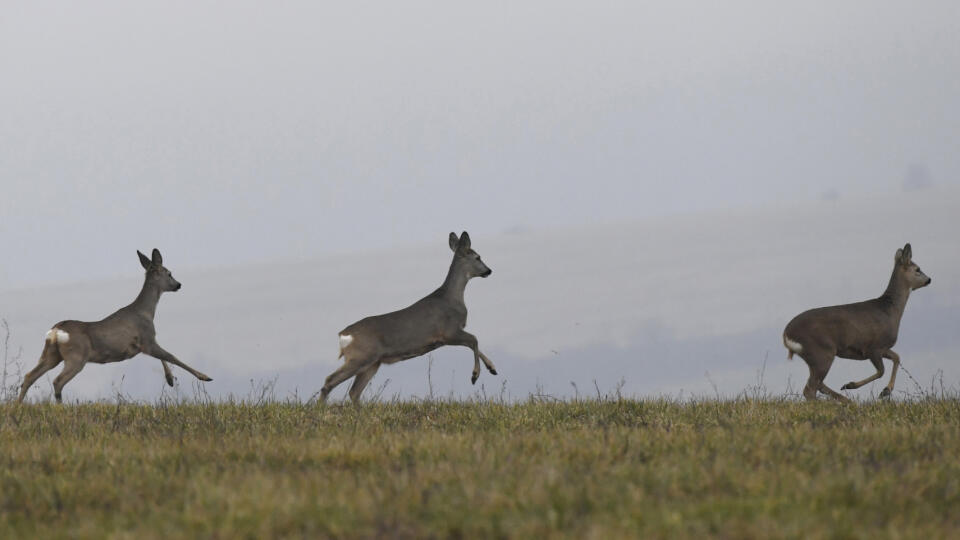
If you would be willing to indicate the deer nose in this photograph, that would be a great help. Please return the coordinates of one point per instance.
(487, 273)
(177, 288)
(929, 280)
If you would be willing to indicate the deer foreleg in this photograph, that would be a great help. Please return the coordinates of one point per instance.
(476, 368)
(878, 364)
(893, 373)
(157, 352)
(166, 372)
(487, 362)
(467, 339)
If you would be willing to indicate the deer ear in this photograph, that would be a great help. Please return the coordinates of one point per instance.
(907, 255)
(465, 240)
(157, 258)
(454, 241)
(144, 261)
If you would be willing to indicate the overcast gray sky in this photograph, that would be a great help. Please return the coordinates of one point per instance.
(258, 132)
(252, 131)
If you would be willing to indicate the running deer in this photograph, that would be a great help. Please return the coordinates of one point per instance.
(120, 336)
(861, 331)
(436, 320)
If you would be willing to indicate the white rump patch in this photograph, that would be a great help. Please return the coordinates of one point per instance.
(345, 341)
(58, 336)
(794, 347)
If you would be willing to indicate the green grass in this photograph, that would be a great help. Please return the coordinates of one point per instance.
(584, 469)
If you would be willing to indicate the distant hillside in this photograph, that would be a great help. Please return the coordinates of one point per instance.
(659, 303)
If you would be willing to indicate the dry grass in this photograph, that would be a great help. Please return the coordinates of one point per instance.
(600, 469)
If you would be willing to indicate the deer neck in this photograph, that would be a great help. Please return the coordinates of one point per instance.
(897, 294)
(146, 302)
(455, 283)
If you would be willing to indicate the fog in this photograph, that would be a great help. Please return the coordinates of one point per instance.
(658, 186)
(670, 306)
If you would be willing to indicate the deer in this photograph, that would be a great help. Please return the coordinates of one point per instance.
(121, 336)
(861, 331)
(436, 320)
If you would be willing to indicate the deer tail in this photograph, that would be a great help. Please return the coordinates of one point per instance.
(793, 347)
(56, 336)
(51, 345)
(345, 341)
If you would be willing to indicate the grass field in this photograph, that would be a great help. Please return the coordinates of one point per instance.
(581, 469)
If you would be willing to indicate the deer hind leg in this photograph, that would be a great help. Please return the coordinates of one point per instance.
(72, 364)
(362, 380)
(885, 393)
(878, 364)
(349, 368)
(833, 393)
(49, 359)
(819, 366)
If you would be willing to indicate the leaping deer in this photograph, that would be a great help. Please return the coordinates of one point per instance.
(436, 320)
(120, 336)
(861, 331)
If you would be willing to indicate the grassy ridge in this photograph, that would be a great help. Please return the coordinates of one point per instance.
(734, 469)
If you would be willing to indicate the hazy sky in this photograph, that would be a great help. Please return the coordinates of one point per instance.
(263, 130)
(666, 304)
(235, 133)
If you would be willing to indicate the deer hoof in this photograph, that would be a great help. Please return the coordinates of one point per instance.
(204, 378)
(474, 377)
(885, 393)
(848, 386)
(493, 372)
(170, 379)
